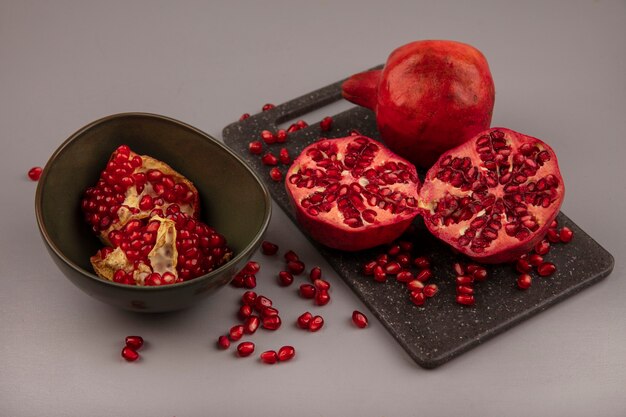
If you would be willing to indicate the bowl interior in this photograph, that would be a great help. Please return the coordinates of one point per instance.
(232, 199)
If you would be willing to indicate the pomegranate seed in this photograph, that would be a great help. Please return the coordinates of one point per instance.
(355, 132)
(415, 285)
(316, 273)
(255, 147)
(293, 128)
(566, 234)
(464, 289)
(404, 276)
(296, 267)
(382, 259)
(262, 302)
(471, 268)
(283, 156)
(404, 260)
(134, 342)
(268, 137)
(245, 349)
(268, 106)
(479, 274)
(368, 268)
(291, 256)
(417, 297)
(251, 267)
(34, 173)
(269, 159)
(322, 298)
(285, 278)
(535, 260)
(554, 224)
(236, 332)
(393, 268)
(423, 275)
(379, 274)
(326, 124)
(307, 291)
(430, 290)
(458, 269)
(269, 356)
(316, 323)
(406, 245)
(286, 353)
(275, 174)
(421, 262)
(269, 311)
(522, 266)
(302, 124)
(359, 319)
(281, 136)
(542, 247)
(244, 312)
(304, 320)
(321, 284)
(464, 280)
(465, 299)
(223, 342)
(546, 269)
(394, 250)
(271, 322)
(553, 236)
(248, 298)
(269, 248)
(129, 354)
(249, 281)
(524, 281)
(244, 116)
(251, 324)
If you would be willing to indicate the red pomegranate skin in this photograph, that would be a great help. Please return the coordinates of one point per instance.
(525, 206)
(431, 96)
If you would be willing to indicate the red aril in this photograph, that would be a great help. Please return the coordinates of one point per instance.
(566, 234)
(359, 319)
(546, 269)
(494, 197)
(34, 173)
(245, 349)
(424, 275)
(430, 290)
(404, 276)
(275, 174)
(417, 297)
(466, 299)
(236, 332)
(129, 354)
(244, 116)
(542, 248)
(285, 278)
(415, 285)
(268, 137)
(271, 322)
(535, 259)
(431, 96)
(464, 289)
(304, 320)
(553, 236)
(261, 303)
(315, 273)
(352, 193)
(296, 267)
(269, 248)
(134, 342)
(307, 291)
(316, 323)
(286, 353)
(269, 159)
(523, 266)
(283, 156)
(268, 106)
(480, 274)
(223, 342)
(322, 297)
(269, 356)
(524, 281)
(251, 324)
(281, 136)
(291, 256)
(422, 262)
(321, 285)
(326, 124)
(255, 147)
(244, 312)
(249, 298)
(269, 311)
(379, 274)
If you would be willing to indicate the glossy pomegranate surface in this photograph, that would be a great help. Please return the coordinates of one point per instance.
(352, 193)
(494, 197)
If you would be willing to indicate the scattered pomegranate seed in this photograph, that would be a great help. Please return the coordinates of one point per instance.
(249, 298)
(423, 275)
(464, 289)
(421, 262)
(404, 260)
(479, 274)
(546, 269)
(295, 267)
(271, 322)
(542, 247)
(244, 116)
(404, 276)
(281, 136)
(237, 281)
(285, 278)
(368, 268)
(275, 174)
(553, 236)
(326, 124)
(268, 137)
(524, 281)
(359, 319)
(554, 224)
(464, 280)
(244, 312)
(236, 332)
(458, 268)
(393, 268)
(307, 291)
(269, 356)
(293, 128)
(355, 132)
(316, 323)
(269, 311)
(382, 259)
(286, 353)
(129, 354)
(251, 324)
(315, 274)
(302, 124)
(304, 320)
(34, 173)
(245, 349)
(522, 266)
(566, 234)
(262, 302)
(249, 281)
(394, 250)
(465, 299)
(415, 285)
(269, 248)
(251, 267)
(255, 147)
(283, 156)
(269, 159)
(535, 259)
(268, 106)
(322, 297)
(417, 297)
(134, 342)
(291, 256)
(379, 274)
(223, 342)
(321, 284)
(430, 290)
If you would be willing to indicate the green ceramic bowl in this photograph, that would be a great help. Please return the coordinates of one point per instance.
(233, 201)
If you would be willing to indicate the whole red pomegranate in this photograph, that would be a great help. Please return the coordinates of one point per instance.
(430, 97)
(494, 197)
(352, 193)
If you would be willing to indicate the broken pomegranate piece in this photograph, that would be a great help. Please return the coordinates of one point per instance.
(352, 193)
(494, 197)
(135, 187)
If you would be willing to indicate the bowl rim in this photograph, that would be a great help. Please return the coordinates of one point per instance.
(242, 254)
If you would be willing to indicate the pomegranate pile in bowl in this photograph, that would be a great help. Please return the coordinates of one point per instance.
(109, 236)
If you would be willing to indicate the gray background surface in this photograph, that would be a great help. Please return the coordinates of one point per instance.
(559, 70)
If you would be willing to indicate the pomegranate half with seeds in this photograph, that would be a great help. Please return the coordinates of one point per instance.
(134, 187)
(494, 197)
(352, 193)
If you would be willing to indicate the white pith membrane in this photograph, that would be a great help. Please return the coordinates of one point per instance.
(353, 181)
(505, 197)
(163, 256)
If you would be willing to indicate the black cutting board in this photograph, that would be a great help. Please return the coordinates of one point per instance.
(441, 329)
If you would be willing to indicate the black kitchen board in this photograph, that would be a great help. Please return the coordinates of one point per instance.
(441, 329)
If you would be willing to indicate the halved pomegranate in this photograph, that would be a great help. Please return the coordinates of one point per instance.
(131, 187)
(494, 197)
(352, 193)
